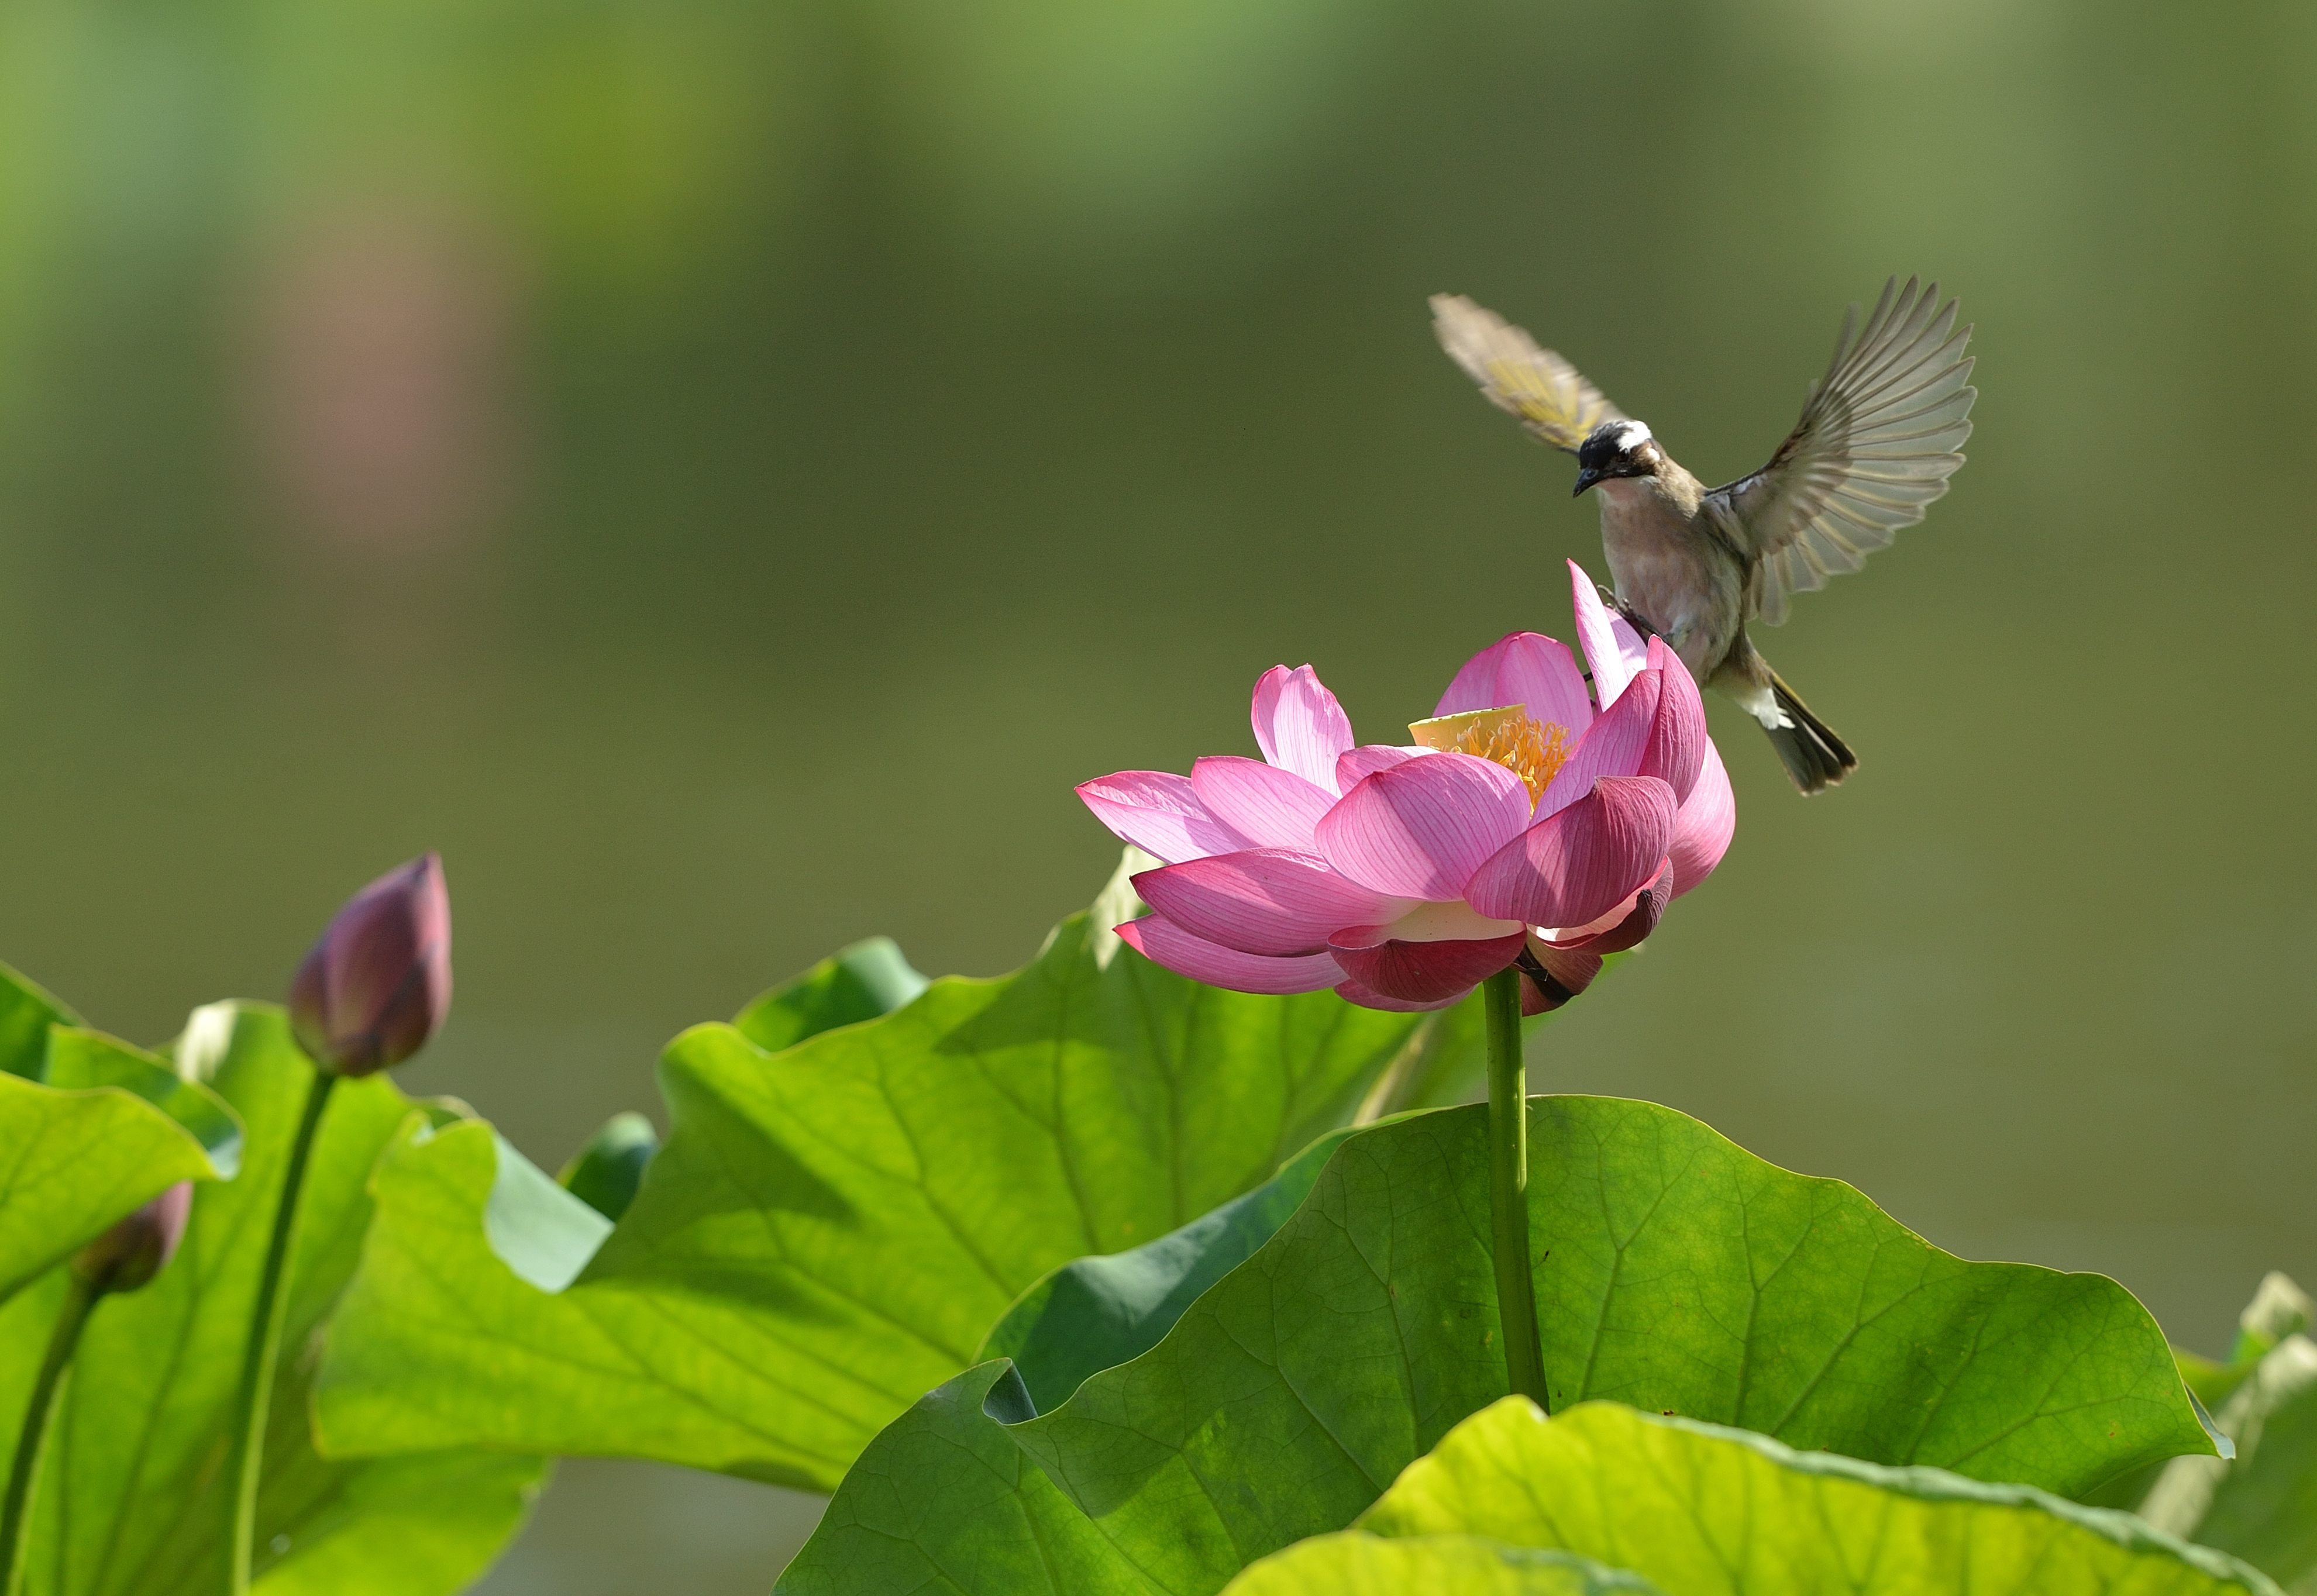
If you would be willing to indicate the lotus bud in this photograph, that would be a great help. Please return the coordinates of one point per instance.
(376, 987)
(138, 1247)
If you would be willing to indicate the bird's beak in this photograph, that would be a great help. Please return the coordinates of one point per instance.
(1585, 478)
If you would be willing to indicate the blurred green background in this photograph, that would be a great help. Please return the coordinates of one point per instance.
(722, 472)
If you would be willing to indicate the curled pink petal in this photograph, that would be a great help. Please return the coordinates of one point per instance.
(1158, 813)
(1367, 759)
(1269, 806)
(1528, 669)
(1162, 941)
(1707, 821)
(1612, 649)
(1421, 829)
(1582, 936)
(1566, 974)
(1298, 724)
(1676, 750)
(1421, 972)
(1368, 997)
(1613, 745)
(1270, 901)
(1629, 924)
(1576, 866)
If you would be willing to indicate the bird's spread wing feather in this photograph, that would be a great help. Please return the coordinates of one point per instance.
(1875, 445)
(1549, 396)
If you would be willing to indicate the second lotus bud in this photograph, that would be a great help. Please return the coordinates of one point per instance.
(377, 986)
(140, 1247)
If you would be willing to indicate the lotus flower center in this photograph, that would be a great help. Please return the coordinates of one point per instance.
(1532, 750)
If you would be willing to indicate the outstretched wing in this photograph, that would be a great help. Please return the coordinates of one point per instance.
(1549, 396)
(1875, 445)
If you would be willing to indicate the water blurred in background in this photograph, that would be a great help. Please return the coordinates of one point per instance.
(721, 472)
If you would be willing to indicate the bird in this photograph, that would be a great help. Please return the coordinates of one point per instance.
(1878, 440)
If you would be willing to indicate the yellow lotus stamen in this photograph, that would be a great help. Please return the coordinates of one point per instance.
(1532, 750)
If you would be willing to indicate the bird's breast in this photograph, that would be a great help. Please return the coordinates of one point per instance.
(1668, 572)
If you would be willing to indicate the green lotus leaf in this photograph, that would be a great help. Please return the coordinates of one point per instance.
(2262, 1506)
(831, 1230)
(1710, 1511)
(944, 1501)
(26, 1013)
(608, 1169)
(863, 982)
(1679, 1272)
(131, 1497)
(1353, 1564)
(91, 1128)
(1095, 1313)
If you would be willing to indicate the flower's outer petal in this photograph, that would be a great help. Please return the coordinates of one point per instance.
(1612, 649)
(1635, 919)
(1574, 868)
(1298, 724)
(1368, 997)
(1162, 941)
(1421, 972)
(1421, 829)
(1269, 901)
(1613, 745)
(1367, 759)
(1533, 1000)
(1676, 750)
(1566, 974)
(1523, 668)
(1269, 806)
(1158, 812)
(1707, 821)
(1581, 936)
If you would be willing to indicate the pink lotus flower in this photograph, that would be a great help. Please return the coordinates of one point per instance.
(1523, 826)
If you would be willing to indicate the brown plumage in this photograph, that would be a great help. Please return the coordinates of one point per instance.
(1877, 441)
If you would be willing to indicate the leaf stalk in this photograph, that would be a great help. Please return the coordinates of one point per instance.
(264, 1347)
(1508, 1188)
(64, 1340)
(80, 1296)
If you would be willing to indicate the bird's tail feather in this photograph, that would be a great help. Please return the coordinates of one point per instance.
(1813, 755)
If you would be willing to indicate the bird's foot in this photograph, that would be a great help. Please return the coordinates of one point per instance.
(1632, 617)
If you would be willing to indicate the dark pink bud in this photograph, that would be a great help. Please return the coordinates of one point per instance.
(138, 1247)
(376, 985)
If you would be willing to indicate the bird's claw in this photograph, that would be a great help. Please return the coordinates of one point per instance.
(1633, 616)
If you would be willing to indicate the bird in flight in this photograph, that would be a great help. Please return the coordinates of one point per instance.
(1693, 564)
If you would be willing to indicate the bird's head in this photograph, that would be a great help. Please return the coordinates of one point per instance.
(1618, 449)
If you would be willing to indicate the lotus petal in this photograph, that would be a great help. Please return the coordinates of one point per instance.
(1576, 866)
(1162, 941)
(1526, 669)
(1298, 724)
(1269, 806)
(1158, 813)
(1421, 828)
(1270, 901)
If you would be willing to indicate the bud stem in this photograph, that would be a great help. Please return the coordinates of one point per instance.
(80, 1296)
(264, 1347)
(1508, 1188)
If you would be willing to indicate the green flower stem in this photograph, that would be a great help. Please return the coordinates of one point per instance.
(80, 1296)
(264, 1347)
(1508, 1188)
